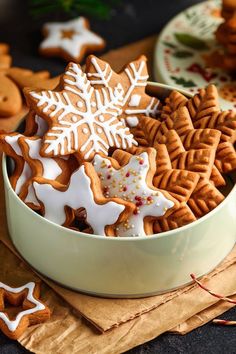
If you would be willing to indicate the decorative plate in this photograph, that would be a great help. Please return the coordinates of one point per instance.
(182, 46)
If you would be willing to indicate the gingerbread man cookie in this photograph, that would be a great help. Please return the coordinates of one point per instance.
(33, 310)
(70, 40)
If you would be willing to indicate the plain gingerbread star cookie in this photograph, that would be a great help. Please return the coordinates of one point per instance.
(70, 40)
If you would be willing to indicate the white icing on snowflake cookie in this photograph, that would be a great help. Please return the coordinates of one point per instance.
(81, 119)
(133, 79)
(83, 191)
(70, 40)
(130, 182)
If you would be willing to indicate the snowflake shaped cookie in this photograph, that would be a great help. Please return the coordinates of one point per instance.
(133, 182)
(133, 79)
(70, 40)
(81, 119)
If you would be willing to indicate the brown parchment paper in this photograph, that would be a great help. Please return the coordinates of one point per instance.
(69, 334)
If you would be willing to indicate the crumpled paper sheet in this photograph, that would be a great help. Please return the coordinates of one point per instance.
(66, 333)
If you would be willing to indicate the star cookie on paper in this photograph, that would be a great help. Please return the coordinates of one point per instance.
(133, 182)
(33, 310)
(133, 79)
(70, 40)
(81, 119)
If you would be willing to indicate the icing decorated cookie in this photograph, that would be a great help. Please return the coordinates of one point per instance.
(22, 172)
(70, 40)
(35, 125)
(81, 119)
(50, 168)
(83, 191)
(133, 182)
(133, 79)
(33, 311)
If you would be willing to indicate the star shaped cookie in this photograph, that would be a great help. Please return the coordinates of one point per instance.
(133, 182)
(70, 40)
(33, 310)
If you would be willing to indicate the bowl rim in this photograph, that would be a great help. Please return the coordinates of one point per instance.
(117, 238)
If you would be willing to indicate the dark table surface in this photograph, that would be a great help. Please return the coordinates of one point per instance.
(131, 21)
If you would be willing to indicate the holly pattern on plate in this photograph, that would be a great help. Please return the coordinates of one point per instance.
(182, 50)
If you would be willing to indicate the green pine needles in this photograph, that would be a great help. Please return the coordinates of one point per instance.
(95, 8)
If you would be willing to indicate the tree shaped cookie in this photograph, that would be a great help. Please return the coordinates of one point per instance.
(133, 79)
(83, 191)
(33, 310)
(70, 40)
(133, 182)
(81, 119)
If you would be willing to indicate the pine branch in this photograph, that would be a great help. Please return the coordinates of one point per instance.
(94, 8)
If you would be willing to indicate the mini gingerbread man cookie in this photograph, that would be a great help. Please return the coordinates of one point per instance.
(70, 40)
(81, 119)
(33, 310)
(133, 182)
(83, 191)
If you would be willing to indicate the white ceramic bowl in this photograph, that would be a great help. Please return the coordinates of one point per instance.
(121, 267)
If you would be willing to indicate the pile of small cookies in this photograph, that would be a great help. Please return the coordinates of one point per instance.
(99, 155)
(12, 82)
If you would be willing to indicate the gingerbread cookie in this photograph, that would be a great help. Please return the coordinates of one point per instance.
(70, 40)
(10, 97)
(5, 58)
(181, 216)
(133, 80)
(22, 174)
(35, 125)
(204, 198)
(55, 169)
(33, 311)
(28, 78)
(81, 119)
(133, 182)
(83, 191)
(179, 183)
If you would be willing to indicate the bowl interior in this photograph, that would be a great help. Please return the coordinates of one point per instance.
(161, 91)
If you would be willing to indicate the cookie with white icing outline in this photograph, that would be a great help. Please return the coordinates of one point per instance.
(55, 169)
(81, 119)
(34, 311)
(22, 172)
(35, 125)
(133, 182)
(133, 79)
(70, 40)
(60, 202)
